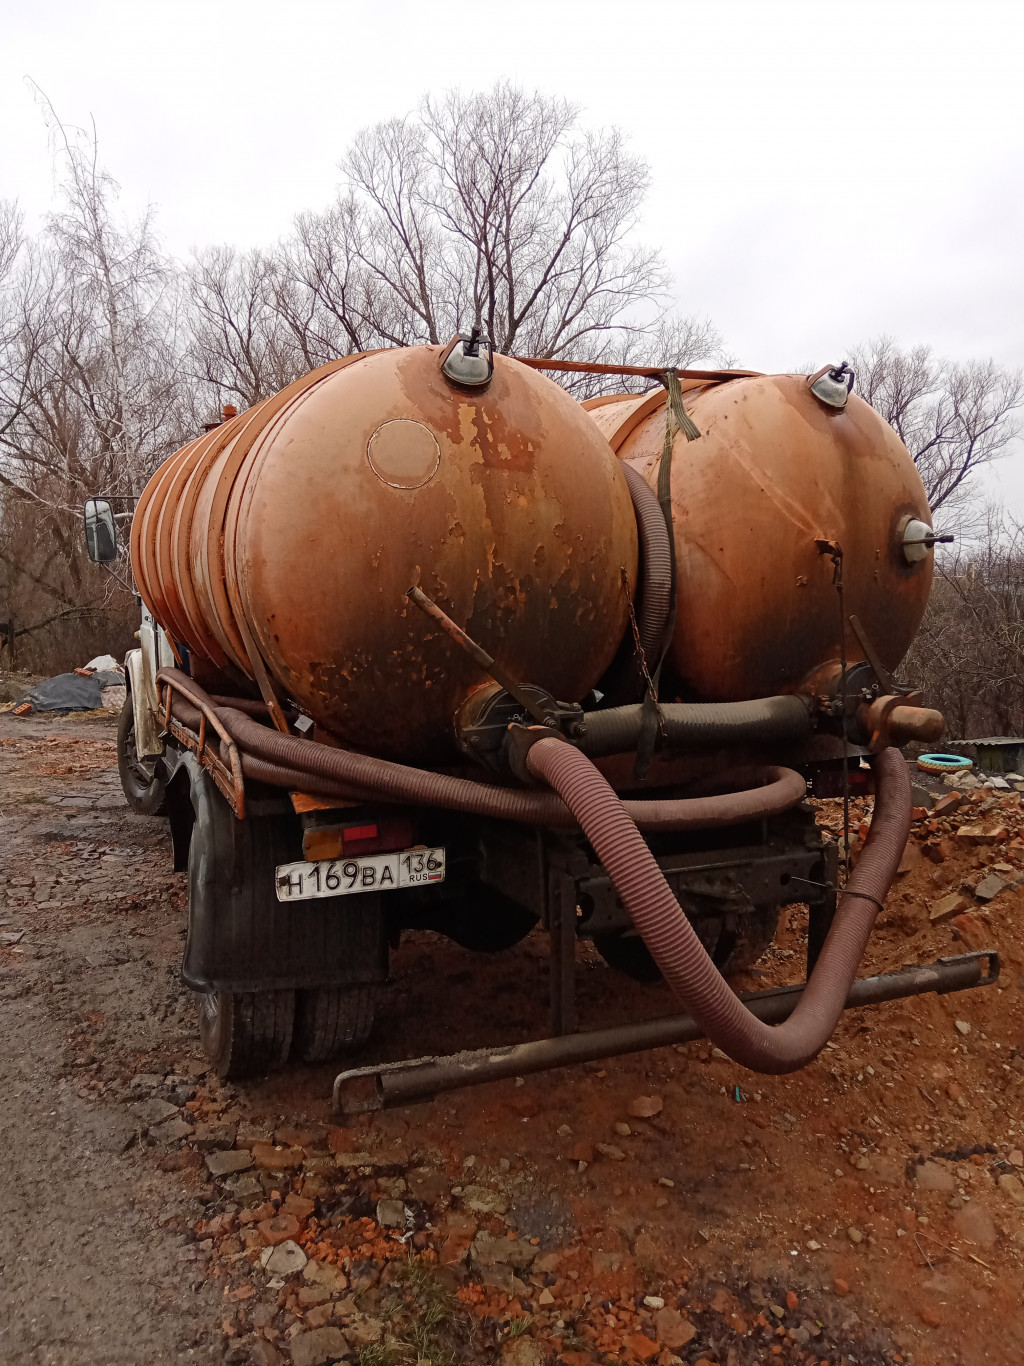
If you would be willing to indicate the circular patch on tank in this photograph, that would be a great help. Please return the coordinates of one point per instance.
(403, 453)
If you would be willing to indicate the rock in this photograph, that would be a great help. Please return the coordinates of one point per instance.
(312, 1295)
(947, 906)
(391, 1213)
(207, 1137)
(792, 1300)
(974, 1223)
(920, 796)
(563, 1131)
(365, 1329)
(974, 835)
(653, 1302)
(645, 1107)
(945, 806)
(282, 1228)
(962, 1027)
(522, 1351)
(854, 1234)
(989, 887)
(972, 931)
(284, 1260)
(931, 1177)
(840, 1286)
(581, 1152)
(299, 1206)
(289, 1136)
(331, 1278)
(263, 1353)
(622, 1129)
(1015, 1158)
(317, 1346)
(274, 1159)
(483, 1201)
(610, 1151)
(226, 1163)
(674, 1331)
(953, 1088)
(936, 851)
(911, 858)
(349, 1160)
(642, 1348)
(153, 1111)
(220, 1226)
(1013, 1189)
(514, 1252)
(426, 1185)
(171, 1130)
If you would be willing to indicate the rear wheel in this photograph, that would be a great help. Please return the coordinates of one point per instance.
(143, 790)
(331, 1021)
(246, 1033)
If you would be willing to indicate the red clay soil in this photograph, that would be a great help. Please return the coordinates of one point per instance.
(668, 1207)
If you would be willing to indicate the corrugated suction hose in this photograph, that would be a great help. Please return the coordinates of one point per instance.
(673, 942)
(656, 559)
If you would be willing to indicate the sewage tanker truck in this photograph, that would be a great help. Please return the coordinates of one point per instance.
(429, 644)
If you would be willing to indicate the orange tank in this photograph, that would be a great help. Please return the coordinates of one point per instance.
(774, 475)
(286, 539)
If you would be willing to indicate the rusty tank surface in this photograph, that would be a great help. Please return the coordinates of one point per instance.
(288, 537)
(777, 489)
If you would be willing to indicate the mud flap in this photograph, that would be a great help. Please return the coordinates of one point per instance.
(240, 937)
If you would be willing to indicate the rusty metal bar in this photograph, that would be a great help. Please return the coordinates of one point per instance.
(229, 779)
(387, 1085)
(477, 653)
(643, 371)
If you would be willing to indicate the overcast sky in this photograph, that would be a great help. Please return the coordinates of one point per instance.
(820, 173)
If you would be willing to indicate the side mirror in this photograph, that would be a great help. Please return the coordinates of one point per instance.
(100, 531)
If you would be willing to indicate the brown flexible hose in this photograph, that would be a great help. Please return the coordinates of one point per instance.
(388, 781)
(673, 942)
(339, 772)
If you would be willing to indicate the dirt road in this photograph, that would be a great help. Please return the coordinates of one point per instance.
(670, 1207)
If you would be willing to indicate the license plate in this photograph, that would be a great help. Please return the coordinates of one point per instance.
(346, 876)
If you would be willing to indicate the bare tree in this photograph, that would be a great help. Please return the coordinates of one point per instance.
(969, 652)
(954, 418)
(92, 348)
(493, 209)
(241, 347)
(90, 393)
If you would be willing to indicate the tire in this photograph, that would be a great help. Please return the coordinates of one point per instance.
(143, 790)
(246, 1033)
(943, 763)
(332, 1021)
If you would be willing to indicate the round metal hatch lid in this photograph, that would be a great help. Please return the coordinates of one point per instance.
(403, 454)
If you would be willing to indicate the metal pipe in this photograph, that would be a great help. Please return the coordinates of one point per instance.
(364, 1089)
